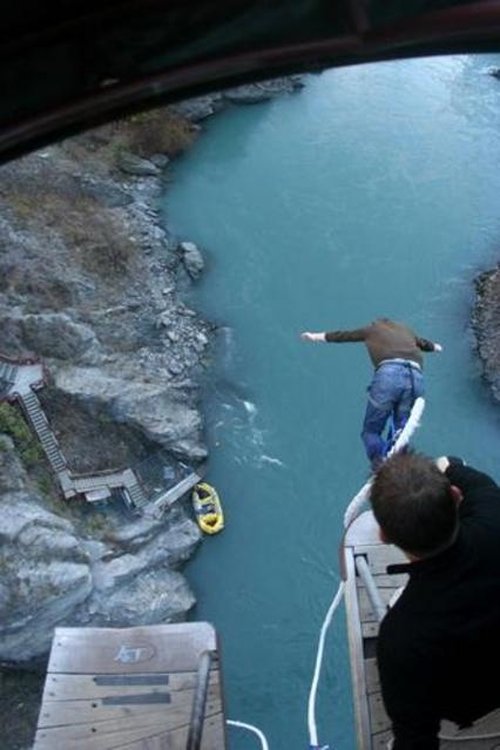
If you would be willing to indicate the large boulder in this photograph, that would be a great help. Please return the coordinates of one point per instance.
(45, 569)
(199, 108)
(254, 93)
(137, 166)
(192, 259)
(157, 412)
(148, 599)
(50, 334)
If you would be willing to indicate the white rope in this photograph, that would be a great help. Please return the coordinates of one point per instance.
(357, 503)
(353, 510)
(410, 427)
(311, 707)
(251, 728)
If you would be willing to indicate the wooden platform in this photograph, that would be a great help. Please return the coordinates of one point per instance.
(372, 724)
(129, 688)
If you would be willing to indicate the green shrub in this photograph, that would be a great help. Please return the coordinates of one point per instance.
(45, 486)
(12, 423)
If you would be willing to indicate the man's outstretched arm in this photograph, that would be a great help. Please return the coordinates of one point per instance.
(338, 337)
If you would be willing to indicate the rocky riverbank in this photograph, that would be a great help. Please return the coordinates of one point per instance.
(486, 326)
(92, 283)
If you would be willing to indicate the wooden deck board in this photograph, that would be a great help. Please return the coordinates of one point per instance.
(378, 717)
(134, 739)
(177, 705)
(129, 650)
(371, 674)
(70, 687)
(128, 689)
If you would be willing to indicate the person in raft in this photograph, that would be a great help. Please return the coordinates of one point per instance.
(396, 353)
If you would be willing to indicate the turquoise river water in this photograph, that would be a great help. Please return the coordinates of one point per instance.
(373, 191)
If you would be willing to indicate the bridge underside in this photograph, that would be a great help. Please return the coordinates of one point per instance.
(68, 66)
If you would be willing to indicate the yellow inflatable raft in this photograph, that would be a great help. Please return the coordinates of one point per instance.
(208, 509)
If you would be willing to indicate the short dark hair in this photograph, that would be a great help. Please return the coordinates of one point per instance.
(413, 504)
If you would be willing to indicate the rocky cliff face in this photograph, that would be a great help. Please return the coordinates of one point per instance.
(91, 282)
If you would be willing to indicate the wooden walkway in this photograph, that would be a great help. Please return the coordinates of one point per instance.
(362, 545)
(130, 688)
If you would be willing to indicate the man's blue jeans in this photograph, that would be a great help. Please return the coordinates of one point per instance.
(392, 393)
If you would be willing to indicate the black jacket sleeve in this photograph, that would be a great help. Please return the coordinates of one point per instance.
(466, 478)
(481, 494)
(424, 344)
(341, 337)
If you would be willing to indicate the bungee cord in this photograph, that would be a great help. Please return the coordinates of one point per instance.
(358, 502)
(311, 705)
(353, 510)
(251, 728)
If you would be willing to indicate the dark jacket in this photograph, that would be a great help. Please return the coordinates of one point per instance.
(386, 339)
(438, 647)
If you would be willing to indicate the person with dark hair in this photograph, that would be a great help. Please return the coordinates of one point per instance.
(437, 648)
(396, 353)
